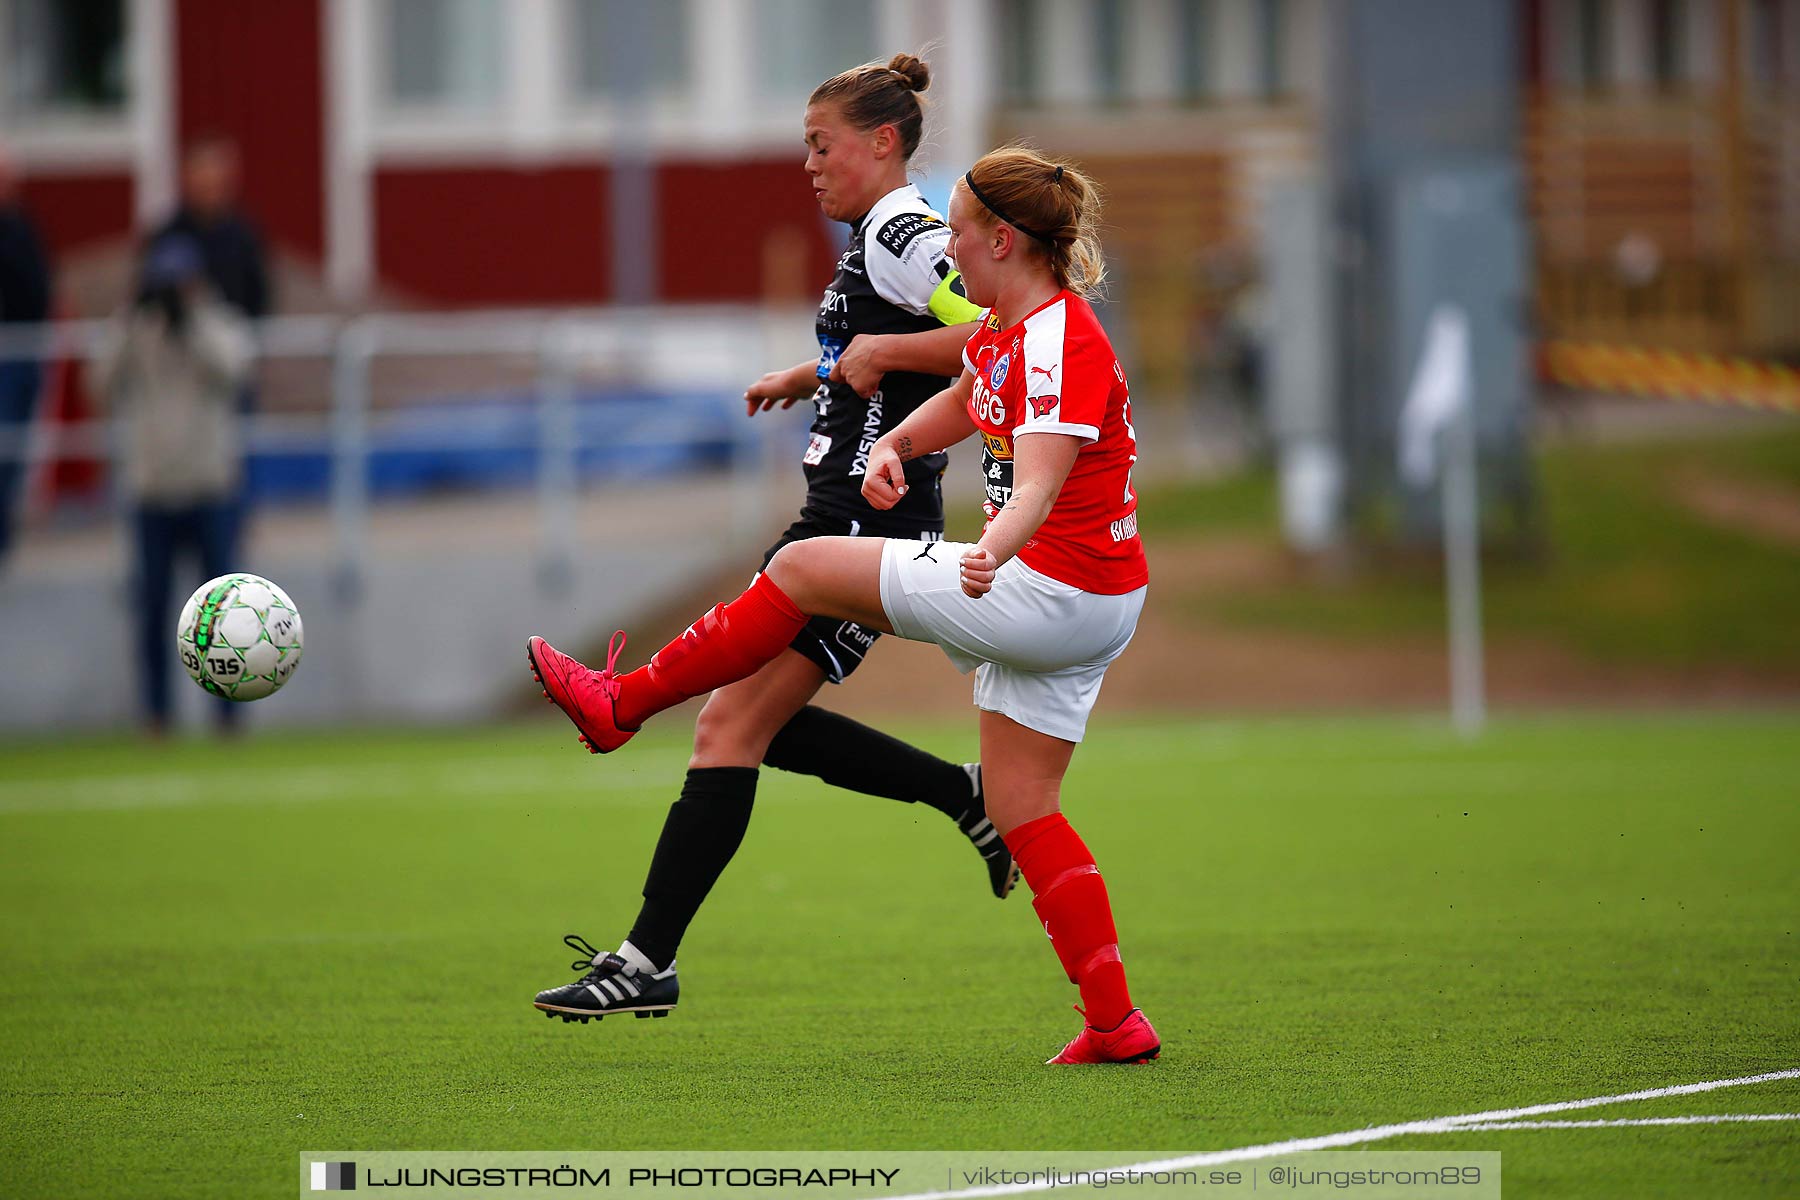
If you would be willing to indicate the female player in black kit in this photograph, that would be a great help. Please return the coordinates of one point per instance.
(891, 329)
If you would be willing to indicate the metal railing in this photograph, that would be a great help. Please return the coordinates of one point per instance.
(638, 346)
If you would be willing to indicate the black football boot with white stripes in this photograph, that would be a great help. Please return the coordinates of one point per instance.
(611, 985)
(1003, 874)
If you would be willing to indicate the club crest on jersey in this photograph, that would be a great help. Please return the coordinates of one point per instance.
(997, 372)
(830, 350)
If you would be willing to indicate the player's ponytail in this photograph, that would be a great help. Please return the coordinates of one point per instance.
(1052, 203)
(877, 94)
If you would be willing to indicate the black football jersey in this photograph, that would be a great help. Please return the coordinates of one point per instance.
(891, 278)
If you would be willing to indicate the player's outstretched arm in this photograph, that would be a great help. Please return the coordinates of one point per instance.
(869, 356)
(798, 382)
(937, 424)
(1041, 462)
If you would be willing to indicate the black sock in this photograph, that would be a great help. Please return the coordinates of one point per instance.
(848, 754)
(704, 828)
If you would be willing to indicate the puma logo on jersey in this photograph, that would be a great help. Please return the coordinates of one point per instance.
(926, 553)
(1046, 372)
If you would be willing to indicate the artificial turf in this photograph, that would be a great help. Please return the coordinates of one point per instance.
(217, 955)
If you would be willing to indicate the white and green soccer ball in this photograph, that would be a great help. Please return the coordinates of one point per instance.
(239, 637)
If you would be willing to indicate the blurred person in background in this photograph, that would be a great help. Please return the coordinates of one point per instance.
(891, 328)
(230, 245)
(170, 370)
(24, 300)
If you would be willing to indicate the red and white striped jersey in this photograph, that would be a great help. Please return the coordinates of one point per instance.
(1055, 372)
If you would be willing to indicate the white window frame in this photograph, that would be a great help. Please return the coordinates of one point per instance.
(586, 119)
(137, 140)
(71, 136)
(425, 130)
(540, 113)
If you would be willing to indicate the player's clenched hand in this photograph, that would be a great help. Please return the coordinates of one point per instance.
(858, 365)
(786, 386)
(978, 567)
(884, 482)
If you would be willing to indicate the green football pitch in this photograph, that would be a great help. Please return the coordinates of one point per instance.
(216, 956)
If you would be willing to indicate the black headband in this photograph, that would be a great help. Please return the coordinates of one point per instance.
(969, 178)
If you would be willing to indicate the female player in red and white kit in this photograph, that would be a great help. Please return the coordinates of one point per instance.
(1037, 608)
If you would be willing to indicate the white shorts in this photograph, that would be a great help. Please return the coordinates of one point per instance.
(1038, 647)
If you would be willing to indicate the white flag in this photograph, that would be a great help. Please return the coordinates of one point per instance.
(1440, 388)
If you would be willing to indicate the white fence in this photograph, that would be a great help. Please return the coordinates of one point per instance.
(569, 541)
(704, 349)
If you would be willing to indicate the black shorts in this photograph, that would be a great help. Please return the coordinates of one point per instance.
(835, 645)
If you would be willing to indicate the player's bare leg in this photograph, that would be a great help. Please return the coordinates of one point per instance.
(834, 576)
(739, 720)
(1024, 770)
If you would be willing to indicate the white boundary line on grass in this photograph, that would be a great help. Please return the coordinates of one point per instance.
(185, 789)
(1375, 1133)
(1713, 1119)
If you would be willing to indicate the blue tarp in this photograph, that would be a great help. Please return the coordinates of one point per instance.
(491, 441)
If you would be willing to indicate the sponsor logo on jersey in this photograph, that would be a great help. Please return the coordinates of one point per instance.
(855, 638)
(1125, 528)
(835, 301)
(900, 231)
(871, 433)
(986, 405)
(1043, 406)
(1048, 373)
(996, 471)
(993, 321)
(997, 372)
(816, 450)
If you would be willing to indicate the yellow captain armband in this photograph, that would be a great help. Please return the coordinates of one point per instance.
(950, 305)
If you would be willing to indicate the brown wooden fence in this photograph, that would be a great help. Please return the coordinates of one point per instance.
(1667, 221)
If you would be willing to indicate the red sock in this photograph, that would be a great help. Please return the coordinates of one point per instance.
(730, 643)
(1070, 899)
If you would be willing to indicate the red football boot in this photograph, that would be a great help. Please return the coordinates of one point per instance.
(586, 696)
(1131, 1041)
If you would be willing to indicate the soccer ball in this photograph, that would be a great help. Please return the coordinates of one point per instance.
(239, 637)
